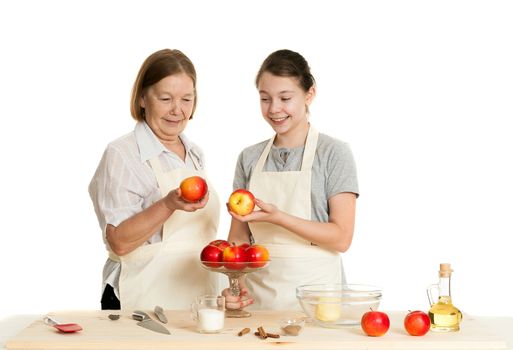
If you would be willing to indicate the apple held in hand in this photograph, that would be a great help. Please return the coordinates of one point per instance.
(375, 323)
(417, 323)
(241, 202)
(212, 256)
(257, 255)
(193, 188)
(234, 257)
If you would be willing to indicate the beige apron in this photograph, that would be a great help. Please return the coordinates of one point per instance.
(169, 273)
(294, 261)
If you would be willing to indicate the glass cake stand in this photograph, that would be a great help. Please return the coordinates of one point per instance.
(234, 271)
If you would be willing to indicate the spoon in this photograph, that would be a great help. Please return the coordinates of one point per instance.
(63, 327)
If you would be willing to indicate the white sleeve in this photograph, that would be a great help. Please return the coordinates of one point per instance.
(113, 190)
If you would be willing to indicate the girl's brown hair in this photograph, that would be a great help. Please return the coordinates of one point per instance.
(287, 63)
(157, 66)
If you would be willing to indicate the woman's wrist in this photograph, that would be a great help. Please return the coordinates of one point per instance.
(167, 205)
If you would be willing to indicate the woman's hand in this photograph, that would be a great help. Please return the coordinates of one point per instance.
(267, 213)
(174, 201)
(233, 302)
(134, 231)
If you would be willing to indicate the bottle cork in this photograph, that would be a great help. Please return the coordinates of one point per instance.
(445, 270)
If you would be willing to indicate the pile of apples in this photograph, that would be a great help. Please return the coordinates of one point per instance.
(221, 253)
(377, 323)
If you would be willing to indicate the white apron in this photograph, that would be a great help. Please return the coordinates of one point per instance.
(294, 261)
(169, 273)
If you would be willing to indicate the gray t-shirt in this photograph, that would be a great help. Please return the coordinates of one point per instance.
(333, 170)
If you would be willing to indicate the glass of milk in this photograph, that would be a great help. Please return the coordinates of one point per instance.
(208, 313)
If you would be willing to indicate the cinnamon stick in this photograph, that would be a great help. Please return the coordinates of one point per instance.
(272, 335)
(262, 333)
(243, 331)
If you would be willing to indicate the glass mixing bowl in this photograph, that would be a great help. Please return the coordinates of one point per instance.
(338, 305)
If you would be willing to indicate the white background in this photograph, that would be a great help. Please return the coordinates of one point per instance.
(422, 91)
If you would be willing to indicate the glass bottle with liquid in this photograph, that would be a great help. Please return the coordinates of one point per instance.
(444, 316)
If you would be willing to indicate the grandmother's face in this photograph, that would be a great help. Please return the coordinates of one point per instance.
(168, 105)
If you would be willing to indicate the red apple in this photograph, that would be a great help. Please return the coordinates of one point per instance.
(234, 257)
(220, 243)
(258, 255)
(193, 188)
(245, 245)
(212, 256)
(241, 202)
(375, 323)
(417, 323)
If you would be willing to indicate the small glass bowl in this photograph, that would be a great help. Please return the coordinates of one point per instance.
(292, 326)
(338, 305)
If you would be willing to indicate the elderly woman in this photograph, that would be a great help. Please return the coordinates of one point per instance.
(152, 234)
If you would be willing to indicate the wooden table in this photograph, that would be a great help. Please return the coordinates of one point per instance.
(101, 333)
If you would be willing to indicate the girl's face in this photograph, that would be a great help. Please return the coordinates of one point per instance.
(283, 102)
(168, 105)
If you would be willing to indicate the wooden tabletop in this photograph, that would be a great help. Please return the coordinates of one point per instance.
(101, 333)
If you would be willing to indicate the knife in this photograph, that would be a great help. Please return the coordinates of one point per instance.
(159, 312)
(145, 321)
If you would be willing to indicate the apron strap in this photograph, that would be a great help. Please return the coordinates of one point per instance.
(308, 153)
(263, 157)
(310, 147)
(159, 174)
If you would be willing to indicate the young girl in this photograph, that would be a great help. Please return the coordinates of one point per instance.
(306, 189)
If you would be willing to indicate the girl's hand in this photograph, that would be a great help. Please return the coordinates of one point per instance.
(267, 213)
(235, 303)
(174, 201)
